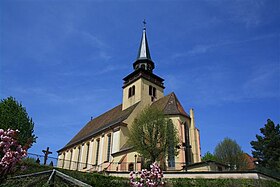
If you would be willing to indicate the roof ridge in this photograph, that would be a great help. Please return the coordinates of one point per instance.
(103, 121)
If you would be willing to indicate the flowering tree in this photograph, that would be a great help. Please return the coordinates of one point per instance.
(11, 152)
(151, 178)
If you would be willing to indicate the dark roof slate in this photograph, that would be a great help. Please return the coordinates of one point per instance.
(108, 119)
(170, 105)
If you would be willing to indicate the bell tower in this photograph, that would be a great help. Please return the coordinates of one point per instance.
(142, 84)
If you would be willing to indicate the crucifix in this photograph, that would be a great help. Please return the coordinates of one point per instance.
(46, 152)
(144, 23)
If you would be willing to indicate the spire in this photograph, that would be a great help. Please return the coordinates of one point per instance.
(144, 60)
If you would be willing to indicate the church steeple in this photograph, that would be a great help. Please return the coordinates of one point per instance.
(144, 60)
(142, 84)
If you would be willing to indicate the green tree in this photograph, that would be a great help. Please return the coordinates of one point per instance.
(230, 153)
(14, 116)
(209, 156)
(153, 135)
(267, 147)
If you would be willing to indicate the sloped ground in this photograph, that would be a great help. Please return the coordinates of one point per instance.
(99, 180)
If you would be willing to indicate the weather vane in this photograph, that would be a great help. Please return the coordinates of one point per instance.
(144, 22)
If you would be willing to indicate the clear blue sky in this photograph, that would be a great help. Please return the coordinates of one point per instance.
(65, 60)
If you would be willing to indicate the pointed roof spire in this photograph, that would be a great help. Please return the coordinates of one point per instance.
(144, 52)
(144, 59)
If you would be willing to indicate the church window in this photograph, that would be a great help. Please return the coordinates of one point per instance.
(130, 167)
(152, 91)
(143, 66)
(131, 91)
(78, 159)
(71, 154)
(171, 151)
(63, 160)
(87, 153)
(109, 147)
(187, 144)
(97, 152)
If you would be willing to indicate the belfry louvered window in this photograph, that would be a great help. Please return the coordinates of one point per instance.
(152, 92)
(131, 91)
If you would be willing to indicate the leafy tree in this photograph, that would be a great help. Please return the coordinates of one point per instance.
(229, 152)
(267, 146)
(153, 135)
(14, 116)
(208, 156)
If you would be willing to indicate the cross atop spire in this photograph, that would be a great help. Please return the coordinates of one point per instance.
(144, 60)
(144, 24)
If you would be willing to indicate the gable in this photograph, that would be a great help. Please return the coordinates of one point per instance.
(170, 105)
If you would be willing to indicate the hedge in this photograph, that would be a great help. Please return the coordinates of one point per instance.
(100, 180)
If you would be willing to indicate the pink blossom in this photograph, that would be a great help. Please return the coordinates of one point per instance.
(148, 178)
(10, 150)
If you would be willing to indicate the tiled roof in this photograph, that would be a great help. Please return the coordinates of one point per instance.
(109, 118)
(170, 105)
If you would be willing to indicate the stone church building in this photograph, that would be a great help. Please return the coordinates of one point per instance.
(102, 143)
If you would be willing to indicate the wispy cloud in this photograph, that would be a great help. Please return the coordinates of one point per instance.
(54, 97)
(263, 83)
(247, 12)
(217, 85)
(204, 48)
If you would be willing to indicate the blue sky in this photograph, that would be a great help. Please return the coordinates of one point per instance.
(65, 60)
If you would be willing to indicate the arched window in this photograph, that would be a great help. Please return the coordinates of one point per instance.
(187, 144)
(130, 166)
(152, 92)
(78, 159)
(87, 154)
(109, 147)
(97, 152)
(63, 160)
(131, 91)
(71, 155)
(171, 151)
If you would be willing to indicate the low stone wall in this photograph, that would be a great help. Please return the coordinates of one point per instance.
(207, 175)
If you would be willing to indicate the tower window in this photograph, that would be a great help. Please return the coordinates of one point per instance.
(131, 91)
(152, 91)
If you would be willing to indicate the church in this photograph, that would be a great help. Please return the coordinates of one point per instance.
(102, 144)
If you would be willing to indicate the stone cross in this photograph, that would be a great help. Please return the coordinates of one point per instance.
(46, 153)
